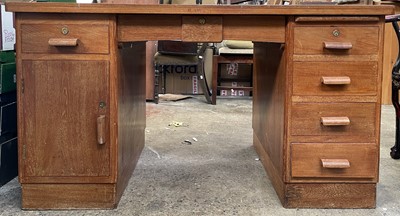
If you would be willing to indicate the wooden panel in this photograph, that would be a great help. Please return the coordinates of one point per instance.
(59, 126)
(130, 1)
(202, 28)
(330, 196)
(255, 28)
(391, 49)
(352, 10)
(306, 120)
(131, 110)
(143, 28)
(306, 160)
(91, 38)
(310, 39)
(274, 175)
(316, 19)
(269, 102)
(363, 78)
(151, 48)
(68, 196)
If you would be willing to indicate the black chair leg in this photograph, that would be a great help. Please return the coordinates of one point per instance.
(395, 150)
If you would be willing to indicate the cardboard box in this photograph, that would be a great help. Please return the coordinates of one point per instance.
(182, 79)
(8, 79)
(231, 92)
(7, 29)
(8, 160)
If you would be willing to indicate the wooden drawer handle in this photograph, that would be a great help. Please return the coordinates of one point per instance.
(338, 45)
(101, 129)
(335, 163)
(335, 121)
(64, 42)
(339, 80)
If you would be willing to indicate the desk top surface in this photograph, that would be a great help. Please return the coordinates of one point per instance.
(201, 9)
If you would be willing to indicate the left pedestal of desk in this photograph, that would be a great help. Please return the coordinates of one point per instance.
(81, 113)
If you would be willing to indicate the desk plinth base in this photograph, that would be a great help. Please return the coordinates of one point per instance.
(317, 195)
(68, 196)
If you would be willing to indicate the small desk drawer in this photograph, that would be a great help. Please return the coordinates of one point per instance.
(63, 39)
(336, 40)
(353, 120)
(344, 78)
(330, 160)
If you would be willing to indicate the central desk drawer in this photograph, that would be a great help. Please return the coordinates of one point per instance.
(331, 160)
(62, 39)
(202, 28)
(336, 40)
(344, 78)
(353, 120)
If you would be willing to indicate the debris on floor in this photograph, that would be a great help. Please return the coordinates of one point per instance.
(176, 124)
(187, 142)
(154, 151)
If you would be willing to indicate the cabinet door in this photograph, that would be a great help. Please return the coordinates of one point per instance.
(61, 102)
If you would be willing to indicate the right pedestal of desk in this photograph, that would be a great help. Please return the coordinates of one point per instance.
(316, 111)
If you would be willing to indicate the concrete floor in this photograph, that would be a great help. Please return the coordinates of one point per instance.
(218, 174)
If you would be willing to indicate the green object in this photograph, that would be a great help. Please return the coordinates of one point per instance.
(8, 77)
(7, 56)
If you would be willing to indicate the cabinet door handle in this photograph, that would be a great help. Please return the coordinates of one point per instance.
(64, 42)
(335, 121)
(338, 80)
(101, 130)
(338, 45)
(335, 163)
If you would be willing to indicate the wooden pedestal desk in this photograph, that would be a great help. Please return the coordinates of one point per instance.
(81, 96)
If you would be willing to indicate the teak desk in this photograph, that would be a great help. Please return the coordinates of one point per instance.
(81, 96)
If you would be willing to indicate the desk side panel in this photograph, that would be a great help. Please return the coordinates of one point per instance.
(131, 109)
(269, 110)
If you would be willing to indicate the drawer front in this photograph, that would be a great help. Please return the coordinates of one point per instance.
(306, 120)
(345, 78)
(202, 28)
(310, 40)
(328, 160)
(58, 38)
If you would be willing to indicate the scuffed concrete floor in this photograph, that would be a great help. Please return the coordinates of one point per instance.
(218, 174)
